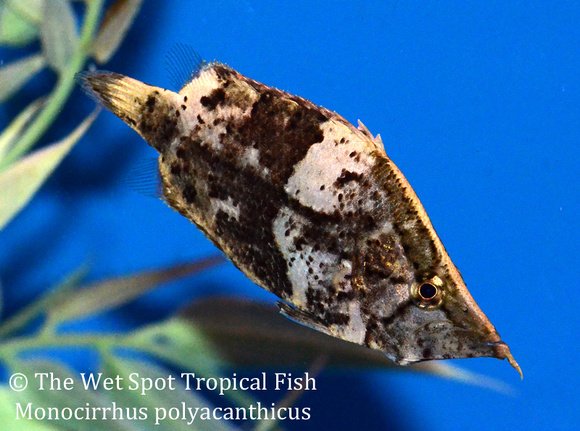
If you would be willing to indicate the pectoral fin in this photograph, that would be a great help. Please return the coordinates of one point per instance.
(301, 317)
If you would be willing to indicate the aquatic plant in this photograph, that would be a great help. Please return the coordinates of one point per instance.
(65, 50)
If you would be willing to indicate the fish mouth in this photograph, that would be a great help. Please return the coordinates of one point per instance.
(496, 349)
(502, 351)
(490, 346)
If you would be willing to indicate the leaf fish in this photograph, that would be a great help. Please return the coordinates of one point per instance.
(309, 207)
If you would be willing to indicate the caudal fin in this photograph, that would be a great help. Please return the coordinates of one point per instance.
(149, 110)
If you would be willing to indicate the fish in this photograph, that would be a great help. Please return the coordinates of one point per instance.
(310, 208)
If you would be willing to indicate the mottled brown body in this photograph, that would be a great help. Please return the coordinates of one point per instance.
(310, 208)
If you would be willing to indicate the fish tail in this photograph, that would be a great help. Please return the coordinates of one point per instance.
(149, 110)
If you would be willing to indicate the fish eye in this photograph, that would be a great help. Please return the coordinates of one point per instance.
(429, 293)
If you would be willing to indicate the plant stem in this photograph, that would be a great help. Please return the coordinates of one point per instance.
(36, 308)
(63, 89)
(10, 347)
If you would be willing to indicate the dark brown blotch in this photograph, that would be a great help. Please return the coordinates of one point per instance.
(282, 128)
(249, 238)
(150, 102)
(159, 127)
(223, 73)
(346, 177)
(216, 98)
(336, 318)
(190, 194)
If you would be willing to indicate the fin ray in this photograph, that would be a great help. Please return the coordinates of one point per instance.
(301, 317)
(118, 93)
(149, 110)
(183, 63)
(144, 178)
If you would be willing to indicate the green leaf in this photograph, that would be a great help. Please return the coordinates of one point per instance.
(8, 415)
(115, 25)
(40, 306)
(77, 396)
(112, 293)
(14, 129)
(15, 30)
(21, 180)
(58, 33)
(30, 10)
(114, 366)
(179, 343)
(14, 75)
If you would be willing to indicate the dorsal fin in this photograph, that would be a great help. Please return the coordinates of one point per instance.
(183, 63)
(377, 140)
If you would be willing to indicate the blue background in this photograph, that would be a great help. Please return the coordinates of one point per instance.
(478, 103)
